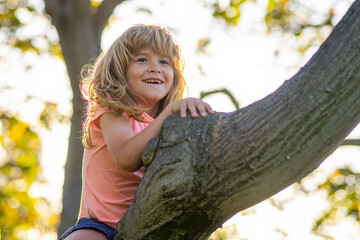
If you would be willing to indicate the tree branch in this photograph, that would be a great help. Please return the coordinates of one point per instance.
(103, 13)
(205, 170)
(352, 142)
(224, 91)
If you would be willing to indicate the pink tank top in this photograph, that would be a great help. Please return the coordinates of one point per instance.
(107, 190)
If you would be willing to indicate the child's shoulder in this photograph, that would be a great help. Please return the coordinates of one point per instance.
(100, 111)
(126, 115)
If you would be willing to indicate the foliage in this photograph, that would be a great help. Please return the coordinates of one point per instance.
(287, 16)
(51, 115)
(23, 26)
(230, 13)
(225, 233)
(296, 18)
(21, 211)
(343, 189)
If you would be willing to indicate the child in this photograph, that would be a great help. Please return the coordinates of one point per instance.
(131, 90)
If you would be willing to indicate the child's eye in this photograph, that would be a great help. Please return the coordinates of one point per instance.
(141, 60)
(164, 62)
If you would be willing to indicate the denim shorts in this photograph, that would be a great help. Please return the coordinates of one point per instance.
(92, 224)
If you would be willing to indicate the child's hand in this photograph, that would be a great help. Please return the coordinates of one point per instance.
(194, 105)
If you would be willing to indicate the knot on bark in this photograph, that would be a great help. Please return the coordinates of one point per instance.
(150, 151)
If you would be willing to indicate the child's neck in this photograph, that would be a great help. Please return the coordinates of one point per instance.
(153, 111)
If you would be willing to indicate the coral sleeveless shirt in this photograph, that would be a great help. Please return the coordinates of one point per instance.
(107, 190)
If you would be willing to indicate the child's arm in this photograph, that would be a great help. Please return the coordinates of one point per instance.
(127, 148)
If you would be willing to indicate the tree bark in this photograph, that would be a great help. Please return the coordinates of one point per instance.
(205, 170)
(351, 142)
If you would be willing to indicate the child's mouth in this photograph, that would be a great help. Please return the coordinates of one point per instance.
(153, 81)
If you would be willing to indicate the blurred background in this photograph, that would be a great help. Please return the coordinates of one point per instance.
(236, 52)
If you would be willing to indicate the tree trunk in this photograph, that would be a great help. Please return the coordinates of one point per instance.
(79, 26)
(206, 170)
(77, 39)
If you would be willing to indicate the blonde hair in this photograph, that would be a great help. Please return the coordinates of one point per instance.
(104, 84)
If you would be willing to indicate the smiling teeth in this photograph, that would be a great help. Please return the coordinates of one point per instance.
(153, 81)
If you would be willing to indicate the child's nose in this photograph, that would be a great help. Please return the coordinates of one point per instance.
(154, 67)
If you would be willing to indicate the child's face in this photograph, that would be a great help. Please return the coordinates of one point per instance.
(150, 75)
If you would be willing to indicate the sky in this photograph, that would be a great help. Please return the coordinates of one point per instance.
(243, 59)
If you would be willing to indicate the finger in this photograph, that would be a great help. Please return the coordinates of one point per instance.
(192, 108)
(201, 108)
(182, 107)
(208, 108)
